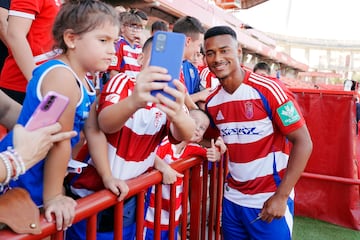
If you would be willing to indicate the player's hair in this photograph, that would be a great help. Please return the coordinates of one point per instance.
(82, 16)
(220, 30)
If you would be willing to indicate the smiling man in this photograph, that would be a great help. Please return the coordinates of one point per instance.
(256, 116)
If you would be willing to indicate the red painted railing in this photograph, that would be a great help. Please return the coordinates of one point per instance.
(204, 222)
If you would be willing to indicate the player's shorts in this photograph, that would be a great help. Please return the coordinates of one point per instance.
(238, 223)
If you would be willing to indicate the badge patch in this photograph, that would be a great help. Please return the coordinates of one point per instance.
(288, 113)
(114, 61)
(249, 110)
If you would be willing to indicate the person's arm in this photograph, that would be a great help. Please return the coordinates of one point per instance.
(169, 174)
(182, 126)
(62, 81)
(113, 117)
(32, 146)
(216, 149)
(97, 145)
(201, 95)
(3, 24)
(9, 111)
(301, 150)
(18, 28)
(190, 104)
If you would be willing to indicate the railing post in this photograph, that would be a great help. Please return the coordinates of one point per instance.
(118, 220)
(195, 200)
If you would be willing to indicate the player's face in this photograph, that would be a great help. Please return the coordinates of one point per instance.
(222, 55)
(96, 48)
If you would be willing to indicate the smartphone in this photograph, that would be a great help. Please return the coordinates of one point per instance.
(48, 111)
(168, 51)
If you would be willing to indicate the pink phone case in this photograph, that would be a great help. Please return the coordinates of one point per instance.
(48, 111)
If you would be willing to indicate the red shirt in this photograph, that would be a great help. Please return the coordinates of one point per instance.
(42, 13)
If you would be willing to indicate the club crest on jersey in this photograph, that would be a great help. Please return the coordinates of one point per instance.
(249, 110)
(158, 116)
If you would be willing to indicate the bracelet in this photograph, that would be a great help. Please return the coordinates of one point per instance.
(16, 169)
(8, 167)
(18, 160)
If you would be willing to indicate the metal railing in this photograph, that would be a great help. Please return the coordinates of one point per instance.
(204, 194)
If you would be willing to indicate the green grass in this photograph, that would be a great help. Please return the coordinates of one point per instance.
(311, 229)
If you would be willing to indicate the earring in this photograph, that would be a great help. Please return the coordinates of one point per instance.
(72, 47)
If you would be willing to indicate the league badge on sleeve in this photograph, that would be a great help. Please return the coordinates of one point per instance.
(288, 113)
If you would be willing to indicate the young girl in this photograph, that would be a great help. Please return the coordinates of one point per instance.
(85, 31)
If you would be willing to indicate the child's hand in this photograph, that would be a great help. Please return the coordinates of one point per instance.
(173, 109)
(117, 186)
(170, 175)
(213, 153)
(146, 82)
(220, 144)
(63, 208)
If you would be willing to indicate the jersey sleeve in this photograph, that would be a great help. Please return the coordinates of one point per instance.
(25, 8)
(286, 113)
(115, 90)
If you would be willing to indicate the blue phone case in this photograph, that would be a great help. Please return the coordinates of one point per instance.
(167, 51)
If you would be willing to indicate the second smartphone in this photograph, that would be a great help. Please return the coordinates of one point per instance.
(48, 111)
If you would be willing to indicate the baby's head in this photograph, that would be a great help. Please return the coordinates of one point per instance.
(202, 122)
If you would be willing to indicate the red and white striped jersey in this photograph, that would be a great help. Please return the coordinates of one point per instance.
(253, 122)
(207, 78)
(125, 59)
(132, 149)
(167, 152)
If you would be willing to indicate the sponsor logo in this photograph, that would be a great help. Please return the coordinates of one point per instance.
(239, 131)
(219, 116)
(288, 113)
(113, 98)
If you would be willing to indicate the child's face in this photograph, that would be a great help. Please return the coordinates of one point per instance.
(193, 46)
(132, 32)
(201, 124)
(197, 59)
(95, 49)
